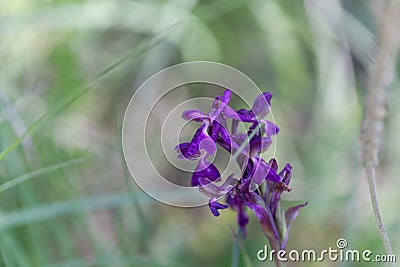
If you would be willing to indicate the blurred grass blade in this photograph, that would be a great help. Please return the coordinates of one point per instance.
(48, 211)
(237, 248)
(7, 185)
(216, 9)
(135, 54)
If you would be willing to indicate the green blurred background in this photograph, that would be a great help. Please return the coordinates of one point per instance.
(67, 71)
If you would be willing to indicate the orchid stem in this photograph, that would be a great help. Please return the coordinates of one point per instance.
(236, 251)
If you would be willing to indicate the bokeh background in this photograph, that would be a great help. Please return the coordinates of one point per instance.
(68, 69)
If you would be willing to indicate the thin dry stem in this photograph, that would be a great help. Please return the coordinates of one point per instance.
(381, 76)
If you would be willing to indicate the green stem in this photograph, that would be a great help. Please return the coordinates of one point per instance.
(235, 250)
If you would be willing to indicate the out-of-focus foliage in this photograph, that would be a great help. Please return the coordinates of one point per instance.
(68, 69)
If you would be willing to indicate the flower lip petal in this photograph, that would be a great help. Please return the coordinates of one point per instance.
(201, 142)
(210, 172)
(208, 145)
(185, 151)
(215, 206)
(216, 191)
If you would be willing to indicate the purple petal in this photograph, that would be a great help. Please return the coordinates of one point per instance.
(231, 113)
(265, 144)
(235, 124)
(200, 141)
(262, 104)
(274, 164)
(246, 115)
(242, 219)
(225, 136)
(208, 145)
(286, 174)
(255, 145)
(186, 151)
(226, 97)
(272, 175)
(290, 215)
(212, 190)
(264, 215)
(194, 114)
(237, 141)
(219, 104)
(270, 128)
(278, 189)
(238, 205)
(207, 170)
(215, 129)
(261, 169)
(240, 115)
(215, 206)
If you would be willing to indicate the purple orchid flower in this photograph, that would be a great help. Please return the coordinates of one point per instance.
(260, 187)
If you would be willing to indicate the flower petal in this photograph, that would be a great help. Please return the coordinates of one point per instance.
(186, 151)
(237, 204)
(260, 171)
(246, 115)
(290, 215)
(270, 128)
(207, 170)
(265, 144)
(278, 189)
(274, 164)
(212, 190)
(194, 114)
(286, 174)
(264, 215)
(219, 104)
(242, 219)
(261, 105)
(200, 141)
(255, 145)
(225, 136)
(215, 206)
(208, 145)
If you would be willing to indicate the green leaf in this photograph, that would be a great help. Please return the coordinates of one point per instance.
(16, 181)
